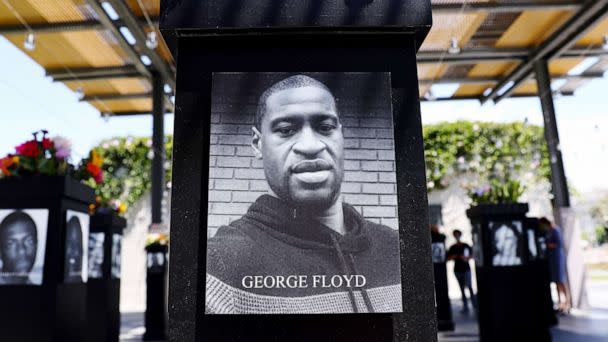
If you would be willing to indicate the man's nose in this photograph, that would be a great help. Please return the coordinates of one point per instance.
(308, 143)
(21, 249)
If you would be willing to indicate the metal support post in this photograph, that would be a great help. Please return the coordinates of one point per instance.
(561, 195)
(156, 309)
(158, 146)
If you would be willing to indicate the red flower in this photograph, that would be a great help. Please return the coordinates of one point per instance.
(47, 143)
(28, 149)
(96, 172)
(99, 178)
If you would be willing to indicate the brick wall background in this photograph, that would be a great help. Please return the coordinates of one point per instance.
(236, 178)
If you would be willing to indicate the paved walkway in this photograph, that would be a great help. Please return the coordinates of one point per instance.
(132, 326)
(579, 326)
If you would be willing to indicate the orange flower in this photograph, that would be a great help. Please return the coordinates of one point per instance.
(7, 162)
(96, 159)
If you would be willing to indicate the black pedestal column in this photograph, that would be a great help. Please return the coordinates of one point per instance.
(511, 299)
(444, 306)
(103, 297)
(53, 309)
(295, 36)
(156, 302)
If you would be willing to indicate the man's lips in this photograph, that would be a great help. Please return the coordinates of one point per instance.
(313, 165)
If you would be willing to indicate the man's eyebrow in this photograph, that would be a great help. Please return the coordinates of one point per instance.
(297, 118)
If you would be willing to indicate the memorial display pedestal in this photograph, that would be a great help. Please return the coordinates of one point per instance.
(295, 36)
(103, 294)
(444, 307)
(54, 310)
(156, 302)
(510, 304)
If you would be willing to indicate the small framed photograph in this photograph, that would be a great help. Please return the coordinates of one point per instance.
(156, 262)
(22, 245)
(96, 255)
(477, 245)
(532, 248)
(116, 255)
(438, 252)
(507, 243)
(76, 247)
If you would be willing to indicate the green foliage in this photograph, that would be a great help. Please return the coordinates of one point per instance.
(492, 151)
(599, 212)
(601, 234)
(127, 165)
(497, 192)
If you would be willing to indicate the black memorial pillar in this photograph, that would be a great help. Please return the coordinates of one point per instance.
(291, 37)
(156, 315)
(103, 287)
(158, 146)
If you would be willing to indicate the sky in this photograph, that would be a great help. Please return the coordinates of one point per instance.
(31, 101)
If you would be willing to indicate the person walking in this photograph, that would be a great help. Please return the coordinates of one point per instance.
(557, 263)
(461, 253)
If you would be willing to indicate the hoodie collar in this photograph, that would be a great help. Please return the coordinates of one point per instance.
(284, 223)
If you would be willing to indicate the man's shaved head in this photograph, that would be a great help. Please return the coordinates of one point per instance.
(296, 81)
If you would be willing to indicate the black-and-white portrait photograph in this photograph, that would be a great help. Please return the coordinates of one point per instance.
(116, 255)
(156, 262)
(542, 247)
(438, 252)
(477, 245)
(22, 245)
(506, 238)
(96, 254)
(532, 249)
(302, 212)
(76, 247)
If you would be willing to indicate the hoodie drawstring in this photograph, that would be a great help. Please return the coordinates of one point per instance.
(366, 299)
(345, 269)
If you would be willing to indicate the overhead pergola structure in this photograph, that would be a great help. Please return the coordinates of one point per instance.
(477, 49)
(485, 50)
(102, 50)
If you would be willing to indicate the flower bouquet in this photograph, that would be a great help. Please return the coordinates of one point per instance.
(157, 239)
(497, 192)
(44, 156)
(106, 206)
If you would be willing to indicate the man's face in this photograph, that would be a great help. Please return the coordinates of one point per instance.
(302, 146)
(19, 243)
(95, 251)
(74, 249)
(505, 241)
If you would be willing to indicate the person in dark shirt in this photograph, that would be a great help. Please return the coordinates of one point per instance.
(461, 253)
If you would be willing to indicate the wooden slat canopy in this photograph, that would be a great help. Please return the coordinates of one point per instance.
(477, 49)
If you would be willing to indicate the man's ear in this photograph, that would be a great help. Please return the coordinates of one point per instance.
(256, 143)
